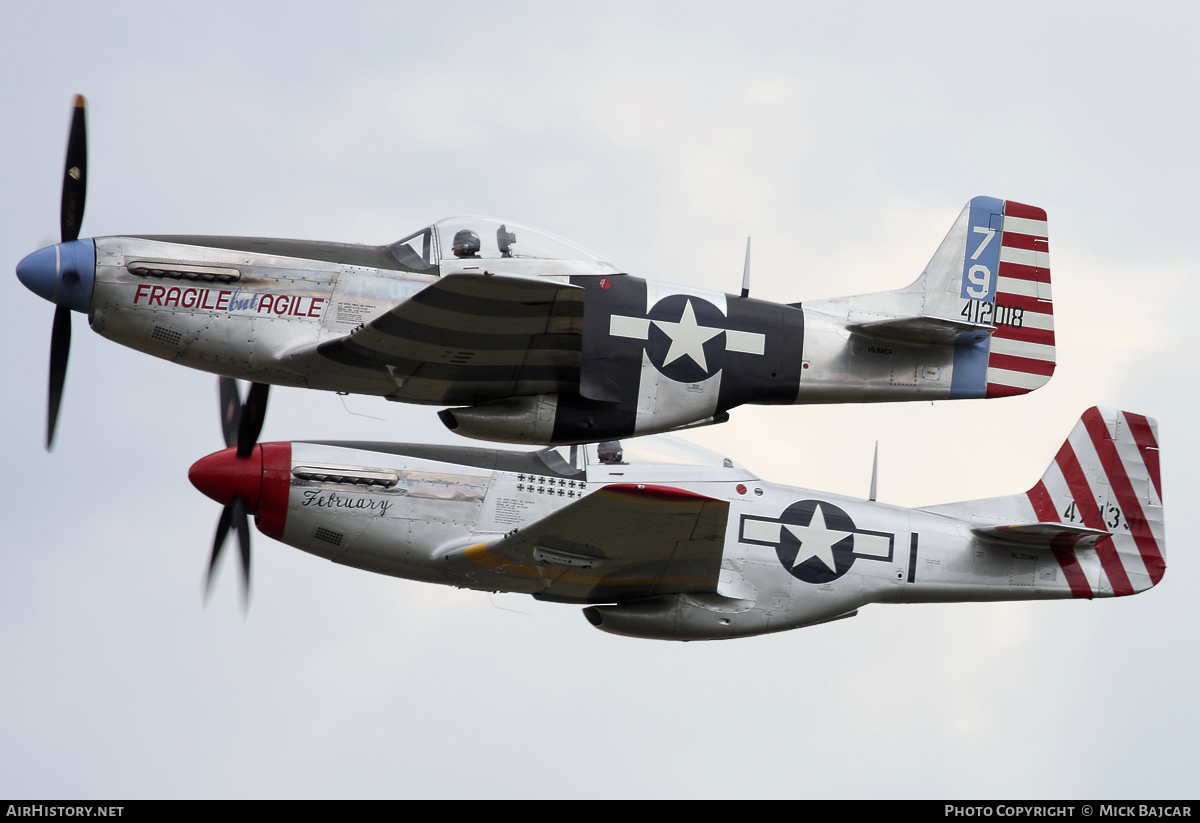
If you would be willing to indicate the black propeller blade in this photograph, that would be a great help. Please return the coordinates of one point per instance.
(232, 515)
(75, 175)
(70, 219)
(60, 347)
(252, 416)
(242, 524)
(231, 410)
(241, 425)
(218, 544)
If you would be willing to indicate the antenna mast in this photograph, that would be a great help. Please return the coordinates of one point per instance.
(746, 272)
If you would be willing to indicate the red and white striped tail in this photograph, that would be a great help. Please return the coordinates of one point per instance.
(1021, 355)
(1106, 476)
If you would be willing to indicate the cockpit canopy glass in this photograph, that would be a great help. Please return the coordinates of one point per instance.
(566, 460)
(485, 238)
(656, 449)
(459, 240)
(417, 251)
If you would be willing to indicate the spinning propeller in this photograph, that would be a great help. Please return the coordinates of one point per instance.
(74, 193)
(234, 476)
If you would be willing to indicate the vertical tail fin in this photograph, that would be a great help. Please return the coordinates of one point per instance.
(992, 273)
(1106, 477)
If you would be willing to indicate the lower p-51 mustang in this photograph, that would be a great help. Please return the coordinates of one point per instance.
(537, 340)
(668, 541)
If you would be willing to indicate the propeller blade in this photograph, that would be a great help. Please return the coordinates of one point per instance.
(242, 523)
(253, 414)
(219, 542)
(60, 349)
(74, 191)
(231, 410)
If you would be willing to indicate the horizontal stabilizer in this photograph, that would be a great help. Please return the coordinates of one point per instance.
(1044, 535)
(916, 329)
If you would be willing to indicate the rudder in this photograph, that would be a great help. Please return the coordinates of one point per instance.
(1106, 476)
(991, 275)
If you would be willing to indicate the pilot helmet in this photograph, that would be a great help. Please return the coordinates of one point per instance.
(610, 451)
(466, 243)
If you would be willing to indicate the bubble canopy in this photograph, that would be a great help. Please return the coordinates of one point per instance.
(461, 243)
(649, 450)
(663, 449)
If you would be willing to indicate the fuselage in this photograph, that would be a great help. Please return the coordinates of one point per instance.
(430, 513)
(261, 315)
(589, 353)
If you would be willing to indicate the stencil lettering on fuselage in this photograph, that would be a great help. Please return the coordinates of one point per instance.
(816, 541)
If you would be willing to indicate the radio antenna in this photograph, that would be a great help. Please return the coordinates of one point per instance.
(746, 272)
(874, 472)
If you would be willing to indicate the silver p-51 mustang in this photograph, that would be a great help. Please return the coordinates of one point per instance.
(660, 539)
(533, 339)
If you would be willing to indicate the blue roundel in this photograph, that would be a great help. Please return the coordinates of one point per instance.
(686, 340)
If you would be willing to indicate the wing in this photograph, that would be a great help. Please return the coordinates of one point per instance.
(470, 338)
(622, 542)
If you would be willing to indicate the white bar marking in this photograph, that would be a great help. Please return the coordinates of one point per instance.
(871, 545)
(763, 531)
(637, 328)
(746, 342)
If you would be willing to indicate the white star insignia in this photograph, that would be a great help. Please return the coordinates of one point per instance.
(687, 337)
(817, 540)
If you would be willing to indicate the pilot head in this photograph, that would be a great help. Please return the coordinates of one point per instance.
(466, 244)
(610, 451)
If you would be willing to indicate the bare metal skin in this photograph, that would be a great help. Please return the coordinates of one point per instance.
(669, 541)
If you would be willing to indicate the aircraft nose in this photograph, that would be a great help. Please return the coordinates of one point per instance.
(223, 476)
(39, 272)
(64, 274)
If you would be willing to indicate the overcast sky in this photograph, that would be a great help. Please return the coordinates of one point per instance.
(844, 138)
